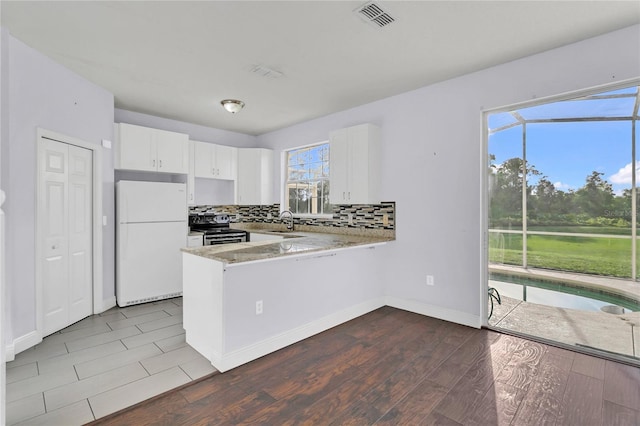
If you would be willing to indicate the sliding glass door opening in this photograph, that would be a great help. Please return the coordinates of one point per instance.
(563, 223)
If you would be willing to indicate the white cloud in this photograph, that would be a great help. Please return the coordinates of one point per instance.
(561, 186)
(623, 176)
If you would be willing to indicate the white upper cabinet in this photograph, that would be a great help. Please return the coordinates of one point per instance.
(151, 150)
(215, 161)
(191, 181)
(354, 165)
(255, 176)
(226, 160)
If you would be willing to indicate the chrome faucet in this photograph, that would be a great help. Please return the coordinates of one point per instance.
(290, 224)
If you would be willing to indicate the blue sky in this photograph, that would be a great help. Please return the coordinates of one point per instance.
(568, 152)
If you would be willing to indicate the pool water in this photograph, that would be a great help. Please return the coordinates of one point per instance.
(557, 295)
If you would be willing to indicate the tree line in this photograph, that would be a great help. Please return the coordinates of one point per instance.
(594, 204)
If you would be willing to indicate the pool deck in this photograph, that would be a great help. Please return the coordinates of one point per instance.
(625, 288)
(599, 330)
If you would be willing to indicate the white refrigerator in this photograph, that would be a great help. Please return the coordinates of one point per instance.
(151, 228)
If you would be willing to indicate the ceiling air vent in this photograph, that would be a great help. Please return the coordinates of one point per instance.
(265, 71)
(373, 14)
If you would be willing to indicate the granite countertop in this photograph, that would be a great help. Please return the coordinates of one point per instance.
(293, 243)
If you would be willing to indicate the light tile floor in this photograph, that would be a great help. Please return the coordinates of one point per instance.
(102, 364)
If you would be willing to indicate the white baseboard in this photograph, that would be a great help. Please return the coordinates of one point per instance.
(435, 311)
(22, 343)
(107, 304)
(272, 344)
(31, 339)
(9, 352)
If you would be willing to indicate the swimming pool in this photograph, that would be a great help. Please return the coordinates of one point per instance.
(556, 294)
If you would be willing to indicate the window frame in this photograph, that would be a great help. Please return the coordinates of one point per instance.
(284, 205)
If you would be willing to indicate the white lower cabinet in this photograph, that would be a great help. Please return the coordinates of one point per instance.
(235, 313)
(255, 176)
(195, 240)
(255, 236)
(354, 165)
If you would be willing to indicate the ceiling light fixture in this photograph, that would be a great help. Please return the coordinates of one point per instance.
(232, 105)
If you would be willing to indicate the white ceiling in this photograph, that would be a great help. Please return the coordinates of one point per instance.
(179, 59)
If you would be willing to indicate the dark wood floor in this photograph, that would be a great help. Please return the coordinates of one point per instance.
(398, 368)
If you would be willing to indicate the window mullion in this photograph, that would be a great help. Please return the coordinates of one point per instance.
(524, 195)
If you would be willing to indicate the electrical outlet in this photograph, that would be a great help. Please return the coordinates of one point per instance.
(259, 307)
(430, 280)
(385, 219)
(269, 215)
(350, 217)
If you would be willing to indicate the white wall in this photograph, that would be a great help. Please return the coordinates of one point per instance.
(3, 136)
(432, 154)
(195, 131)
(44, 94)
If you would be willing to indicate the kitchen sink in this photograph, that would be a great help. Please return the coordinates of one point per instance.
(286, 234)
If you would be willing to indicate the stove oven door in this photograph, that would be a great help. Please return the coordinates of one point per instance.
(211, 239)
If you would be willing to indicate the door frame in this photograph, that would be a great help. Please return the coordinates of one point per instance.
(97, 288)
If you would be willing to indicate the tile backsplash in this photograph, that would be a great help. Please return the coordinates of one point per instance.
(359, 216)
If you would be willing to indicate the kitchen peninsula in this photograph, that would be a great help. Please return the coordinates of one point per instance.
(245, 300)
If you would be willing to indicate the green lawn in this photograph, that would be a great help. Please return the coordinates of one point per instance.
(612, 230)
(576, 229)
(598, 256)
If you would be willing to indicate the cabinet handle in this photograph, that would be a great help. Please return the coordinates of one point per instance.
(344, 195)
(213, 171)
(153, 163)
(160, 163)
(349, 193)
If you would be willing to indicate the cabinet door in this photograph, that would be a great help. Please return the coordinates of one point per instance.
(191, 181)
(358, 165)
(266, 176)
(137, 150)
(254, 236)
(194, 241)
(255, 176)
(338, 166)
(204, 166)
(226, 159)
(249, 176)
(172, 149)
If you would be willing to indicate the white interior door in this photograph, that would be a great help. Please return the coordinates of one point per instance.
(67, 191)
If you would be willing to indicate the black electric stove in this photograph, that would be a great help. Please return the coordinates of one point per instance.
(216, 228)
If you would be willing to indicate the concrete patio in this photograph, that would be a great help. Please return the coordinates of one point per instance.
(597, 330)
